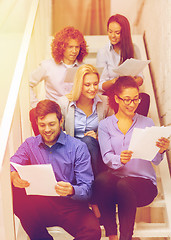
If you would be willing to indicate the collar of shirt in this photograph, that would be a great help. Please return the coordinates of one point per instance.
(134, 118)
(75, 64)
(96, 100)
(61, 140)
(115, 120)
(112, 49)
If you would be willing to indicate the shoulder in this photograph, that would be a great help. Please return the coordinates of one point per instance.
(106, 121)
(75, 143)
(49, 63)
(63, 99)
(144, 121)
(30, 142)
(104, 49)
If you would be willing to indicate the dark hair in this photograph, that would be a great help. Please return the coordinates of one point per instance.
(126, 45)
(45, 107)
(117, 88)
(60, 42)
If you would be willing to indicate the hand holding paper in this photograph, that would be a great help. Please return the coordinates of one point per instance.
(143, 141)
(41, 178)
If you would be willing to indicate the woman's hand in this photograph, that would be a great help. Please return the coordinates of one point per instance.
(163, 144)
(106, 85)
(126, 156)
(91, 134)
(17, 181)
(139, 80)
(64, 188)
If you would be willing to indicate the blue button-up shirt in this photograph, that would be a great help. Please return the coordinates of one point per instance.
(112, 142)
(83, 123)
(69, 158)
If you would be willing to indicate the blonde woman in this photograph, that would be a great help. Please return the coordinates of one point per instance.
(82, 110)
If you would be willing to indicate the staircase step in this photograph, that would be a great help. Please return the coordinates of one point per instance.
(147, 230)
(157, 230)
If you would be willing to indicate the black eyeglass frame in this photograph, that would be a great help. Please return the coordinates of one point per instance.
(135, 100)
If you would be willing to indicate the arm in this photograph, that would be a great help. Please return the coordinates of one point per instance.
(163, 144)
(101, 61)
(35, 78)
(109, 155)
(107, 84)
(83, 173)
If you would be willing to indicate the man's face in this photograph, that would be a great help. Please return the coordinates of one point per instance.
(71, 52)
(49, 128)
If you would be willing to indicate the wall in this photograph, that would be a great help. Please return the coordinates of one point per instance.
(130, 9)
(155, 22)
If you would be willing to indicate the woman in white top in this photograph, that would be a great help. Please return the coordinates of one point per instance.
(119, 49)
(82, 110)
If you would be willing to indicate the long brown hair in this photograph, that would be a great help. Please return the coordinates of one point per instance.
(126, 45)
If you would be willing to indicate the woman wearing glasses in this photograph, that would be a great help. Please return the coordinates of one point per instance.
(130, 183)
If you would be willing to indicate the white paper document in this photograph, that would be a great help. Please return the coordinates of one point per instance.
(70, 74)
(131, 67)
(143, 141)
(41, 178)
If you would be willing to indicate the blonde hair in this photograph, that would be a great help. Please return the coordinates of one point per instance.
(79, 79)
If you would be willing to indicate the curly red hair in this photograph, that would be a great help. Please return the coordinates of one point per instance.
(60, 42)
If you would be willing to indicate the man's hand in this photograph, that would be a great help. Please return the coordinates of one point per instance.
(17, 181)
(126, 156)
(64, 188)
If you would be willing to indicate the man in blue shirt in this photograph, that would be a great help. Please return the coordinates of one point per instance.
(71, 163)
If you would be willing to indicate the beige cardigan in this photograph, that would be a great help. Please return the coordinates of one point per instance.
(68, 112)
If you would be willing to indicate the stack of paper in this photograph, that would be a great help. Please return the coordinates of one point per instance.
(131, 67)
(41, 178)
(143, 141)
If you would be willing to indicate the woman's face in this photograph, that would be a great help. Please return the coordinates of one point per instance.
(114, 33)
(128, 101)
(90, 86)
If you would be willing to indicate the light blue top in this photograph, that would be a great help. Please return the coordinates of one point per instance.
(109, 59)
(83, 123)
(112, 142)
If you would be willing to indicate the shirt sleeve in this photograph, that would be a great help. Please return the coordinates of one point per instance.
(83, 173)
(109, 157)
(35, 78)
(21, 156)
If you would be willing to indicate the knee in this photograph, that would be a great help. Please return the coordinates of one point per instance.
(93, 229)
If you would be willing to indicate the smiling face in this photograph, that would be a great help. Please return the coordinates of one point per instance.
(71, 52)
(49, 128)
(124, 109)
(90, 86)
(114, 33)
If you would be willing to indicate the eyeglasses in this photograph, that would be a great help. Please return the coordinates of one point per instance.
(129, 101)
